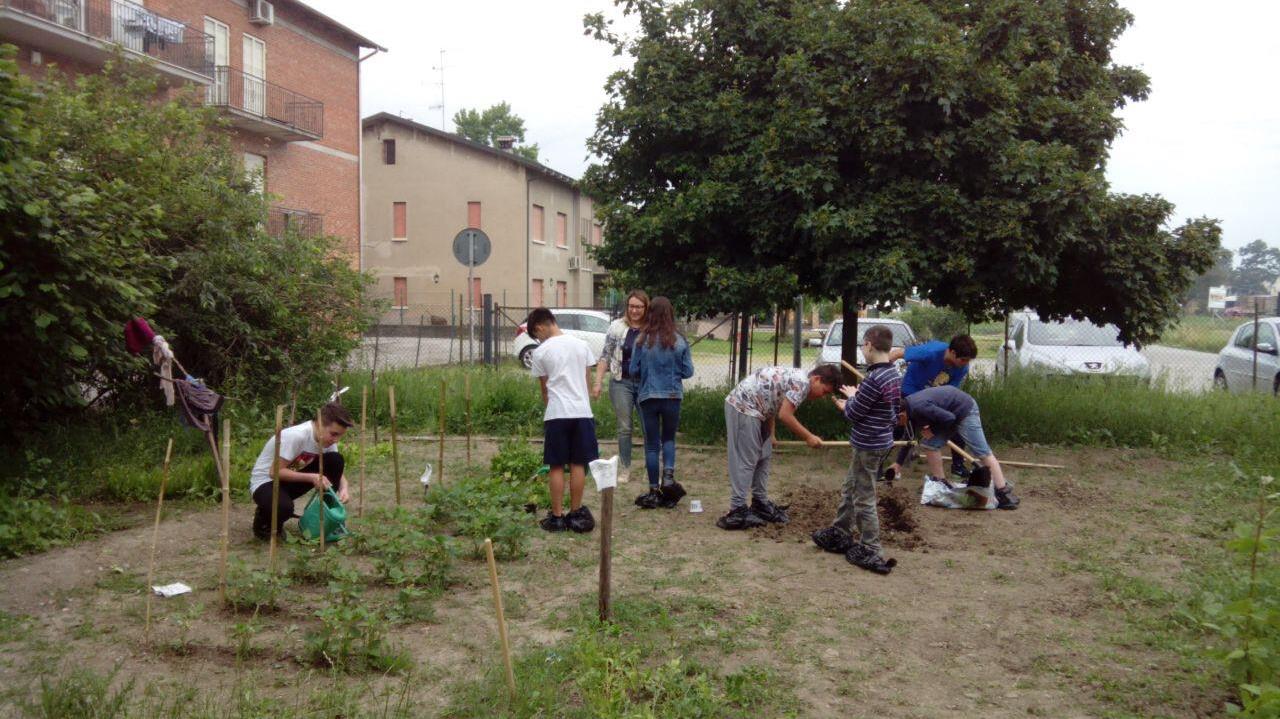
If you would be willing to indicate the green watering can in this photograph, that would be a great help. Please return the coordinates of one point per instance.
(335, 518)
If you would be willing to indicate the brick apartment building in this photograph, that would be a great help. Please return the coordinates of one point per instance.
(286, 76)
(423, 186)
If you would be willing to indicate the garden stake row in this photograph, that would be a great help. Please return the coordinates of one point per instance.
(155, 537)
(502, 620)
(226, 506)
(606, 551)
(467, 385)
(440, 461)
(321, 490)
(275, 491)
(395, 456)
(364, 406)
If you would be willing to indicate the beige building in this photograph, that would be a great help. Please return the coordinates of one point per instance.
(424, 186)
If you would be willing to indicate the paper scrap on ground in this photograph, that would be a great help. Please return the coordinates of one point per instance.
(695, 505)
(939, 494)
(172, 590)
(605, 472)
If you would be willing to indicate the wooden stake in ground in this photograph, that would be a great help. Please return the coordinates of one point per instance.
(226, 506)
(364, 407)
(395, 453)
(155, 537)
(502, 620)
(606, 552)
(293, 410)
(320, 491)
(440, 460)
(275, 490)
(467, 391)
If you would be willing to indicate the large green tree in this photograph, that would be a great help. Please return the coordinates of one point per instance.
(1259, 267)
(486, 126)
(758, 149)
(117, 201)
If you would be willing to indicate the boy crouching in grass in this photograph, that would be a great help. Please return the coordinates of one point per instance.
(300, 448)
(872, 410)
(563, 364)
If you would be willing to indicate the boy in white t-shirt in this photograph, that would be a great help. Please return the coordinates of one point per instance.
(299, 466)
(563, 364)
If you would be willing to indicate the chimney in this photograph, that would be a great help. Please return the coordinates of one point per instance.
(506, 142)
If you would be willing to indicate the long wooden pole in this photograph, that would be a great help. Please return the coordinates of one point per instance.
(275, 490)
(467, 385)
(155, 538)
(606, 552)
(502, 620)
(226, 507)
(364, 407)
(395, 453)
(440, 459)
(320, 491)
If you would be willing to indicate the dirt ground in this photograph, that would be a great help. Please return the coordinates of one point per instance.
(997, 613)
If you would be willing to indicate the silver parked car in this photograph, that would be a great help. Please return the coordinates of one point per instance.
(902, 337)
(1235, 370)
(587, 325)
(1069, 347)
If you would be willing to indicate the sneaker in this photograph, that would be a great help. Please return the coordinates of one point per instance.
(832, 539)
(580, 520)
(671, 491)
(769, 512)
(959, 470)
(740, 518)
(649, 500)
(624, 475)
(552, 523)
(1006, 499)
(860, 555)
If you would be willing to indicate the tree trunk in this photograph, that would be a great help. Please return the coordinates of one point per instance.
(852, 337)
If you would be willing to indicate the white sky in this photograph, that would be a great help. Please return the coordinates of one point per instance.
(1208, 139)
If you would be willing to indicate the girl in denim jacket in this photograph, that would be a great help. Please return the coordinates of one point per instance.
(660, 363)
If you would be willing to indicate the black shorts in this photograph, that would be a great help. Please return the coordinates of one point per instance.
(569, 441)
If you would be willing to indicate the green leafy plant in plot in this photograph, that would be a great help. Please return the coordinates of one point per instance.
(352, 634)
(1246, 615)
(253, 590)
(405, 549)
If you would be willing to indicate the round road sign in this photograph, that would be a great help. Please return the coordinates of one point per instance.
(471, 247)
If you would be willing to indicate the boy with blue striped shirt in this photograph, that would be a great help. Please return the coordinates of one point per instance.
(872, 410)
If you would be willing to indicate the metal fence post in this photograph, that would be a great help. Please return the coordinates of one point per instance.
(486, 331)
(777, 331)
(744, 340)
(418, 352)
(373, 377)
(1255, 345)
(733, 345)
(795, 342)
(1004, 348)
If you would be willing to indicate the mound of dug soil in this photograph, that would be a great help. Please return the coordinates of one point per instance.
(813, 508)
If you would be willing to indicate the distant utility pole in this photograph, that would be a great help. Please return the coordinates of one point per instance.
(440, 68)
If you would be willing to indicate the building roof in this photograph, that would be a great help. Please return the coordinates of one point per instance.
(478, 146)
(361, 39)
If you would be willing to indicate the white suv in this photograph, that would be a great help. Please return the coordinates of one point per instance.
(587, 325)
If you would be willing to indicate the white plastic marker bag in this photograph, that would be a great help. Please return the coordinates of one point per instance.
(605, 472)
(941, 494)
(426, 476)
(171, 590)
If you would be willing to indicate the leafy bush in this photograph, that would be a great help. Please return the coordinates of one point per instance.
(405, 549)
(352, 636)
(1246, 615)
(255, 590)
(30, 526)
(934, 323)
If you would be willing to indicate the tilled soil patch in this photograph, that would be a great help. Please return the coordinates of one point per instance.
(812, 508)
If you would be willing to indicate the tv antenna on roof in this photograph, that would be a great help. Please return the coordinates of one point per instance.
(440, 68)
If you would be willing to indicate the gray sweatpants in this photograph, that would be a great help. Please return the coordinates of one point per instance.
(750, 452)
(857, 508)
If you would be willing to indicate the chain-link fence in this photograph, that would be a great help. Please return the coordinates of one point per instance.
(1234, 349)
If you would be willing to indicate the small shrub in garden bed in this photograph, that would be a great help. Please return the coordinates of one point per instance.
(253, 590)
(352, 635)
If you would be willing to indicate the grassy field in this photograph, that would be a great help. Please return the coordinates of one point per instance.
(1067, 602)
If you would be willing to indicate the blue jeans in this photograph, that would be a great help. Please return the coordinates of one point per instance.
(622, 394)
(970, 429)
(655, 412)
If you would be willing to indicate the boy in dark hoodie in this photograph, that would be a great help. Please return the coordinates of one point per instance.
(939, 413)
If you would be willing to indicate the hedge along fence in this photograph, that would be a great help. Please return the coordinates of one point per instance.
(1017, 410)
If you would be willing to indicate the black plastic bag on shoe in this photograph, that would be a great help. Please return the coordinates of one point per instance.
(670, 494)
(979, 477)
(860, 555)
(832, 539)
(649, 500)
(581, 521)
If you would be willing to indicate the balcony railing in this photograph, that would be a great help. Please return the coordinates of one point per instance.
(283, 219)
(265, 107)
(72, 26)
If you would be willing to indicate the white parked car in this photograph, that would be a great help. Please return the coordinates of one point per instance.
(1235, 362)
(588, 325)
(1069, 347)
(902, 337)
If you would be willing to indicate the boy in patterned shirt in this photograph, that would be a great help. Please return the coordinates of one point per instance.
(872, 410)
(751, 412)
